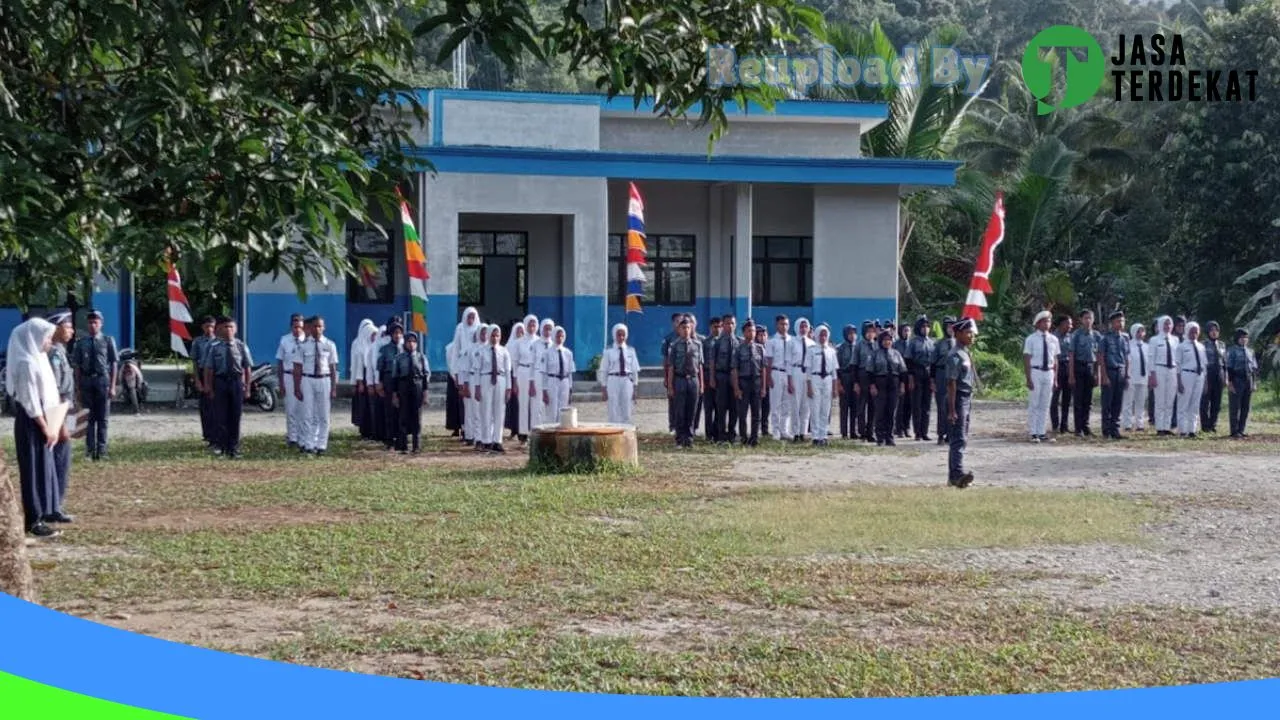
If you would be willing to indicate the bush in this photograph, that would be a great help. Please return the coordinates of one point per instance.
(998, 377)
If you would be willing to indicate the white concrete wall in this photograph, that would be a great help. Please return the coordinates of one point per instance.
(544, 276)
(565, 126)
(764, 138)
(855, 238)
(672, 208)
(782, 210)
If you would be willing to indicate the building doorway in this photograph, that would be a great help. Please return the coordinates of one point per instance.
(493, 272)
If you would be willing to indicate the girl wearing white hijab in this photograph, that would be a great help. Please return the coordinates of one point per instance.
(1163, 373)
(557, 376)
(1134, 414)
(1192, 364)
(799, 362)
(524, 357)
(29, 378)
(452, 400)
(618, 373)
(373, 414)
(516, 340)
(539, 347)
(474, 423)
(465, 336)
(358, 346)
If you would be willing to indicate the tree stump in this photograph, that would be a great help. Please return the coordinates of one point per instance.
(585, 448)
(15, 570)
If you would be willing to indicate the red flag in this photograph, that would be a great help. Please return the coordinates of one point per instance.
(980, 285)
(179, 314)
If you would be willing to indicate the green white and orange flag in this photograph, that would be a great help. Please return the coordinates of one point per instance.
(416, 261)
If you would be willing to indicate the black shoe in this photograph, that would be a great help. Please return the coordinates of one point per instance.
(524, 438)
(879, 443)
(497, 447)
(480, 447)
(235, 455)
(1118, 436)
(942, 440)
(965, 480)
(1088, 432)
(59, 517)
(890, 443)
(41, 530)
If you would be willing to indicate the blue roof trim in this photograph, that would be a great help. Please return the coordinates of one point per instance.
(651, 166)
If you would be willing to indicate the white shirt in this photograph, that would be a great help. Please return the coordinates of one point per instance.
(777, 349)
(1185, 355)
(1139, 352)
(799, 354)
(286, 349)
(309, 349)
(813, 360)
(610, 367)
(1034, 346)
(487, 356)
(1158, 354)
(549, 365)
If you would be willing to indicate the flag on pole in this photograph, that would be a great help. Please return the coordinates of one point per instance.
(179, 314)
(369, 277)
(416, 260)
(980, 285)
(637, 252)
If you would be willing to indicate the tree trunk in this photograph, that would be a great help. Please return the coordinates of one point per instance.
(15, 571)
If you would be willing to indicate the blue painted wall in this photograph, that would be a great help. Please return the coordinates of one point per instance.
(442, 319)
(268, 318)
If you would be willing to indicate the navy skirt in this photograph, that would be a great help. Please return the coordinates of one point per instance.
(36, 475)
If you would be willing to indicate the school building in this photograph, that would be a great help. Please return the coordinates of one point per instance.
(526, 212)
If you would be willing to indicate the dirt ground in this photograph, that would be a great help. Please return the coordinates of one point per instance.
(1216, 544)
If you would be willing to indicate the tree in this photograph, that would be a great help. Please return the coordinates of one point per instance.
(242, 132)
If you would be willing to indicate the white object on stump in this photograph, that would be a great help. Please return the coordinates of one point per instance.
(582, 447)
(569, 417)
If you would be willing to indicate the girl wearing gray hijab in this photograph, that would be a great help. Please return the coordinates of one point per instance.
(29, 378)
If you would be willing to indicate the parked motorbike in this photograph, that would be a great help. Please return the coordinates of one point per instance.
(263, 386)
(133, 386)
(6, 402)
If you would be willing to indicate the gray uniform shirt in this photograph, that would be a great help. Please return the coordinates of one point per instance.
(960, 369)
(887, 362)
(941, 352)
(866, 353)
(200, 351)
(62, 370)
(919, 354)
(1114, 348)
(748, 360)
(1084, 343)
(229, 359)
(1241, 364)
(685, 358)
(94, 356)
(723, 351)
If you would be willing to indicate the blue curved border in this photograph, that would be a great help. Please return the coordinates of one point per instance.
(146, 672)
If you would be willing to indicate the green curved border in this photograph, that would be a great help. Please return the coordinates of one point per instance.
(44, 701)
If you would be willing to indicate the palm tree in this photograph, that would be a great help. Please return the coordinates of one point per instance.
(1263, 314)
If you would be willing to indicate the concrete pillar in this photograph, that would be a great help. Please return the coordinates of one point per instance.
(438, 229)
(855, 254)
(740, 287)
(587, 295)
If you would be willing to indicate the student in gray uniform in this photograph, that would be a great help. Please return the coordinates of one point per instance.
(226, 381)
(962, 377)
(386, 360)
(1179, 332)
(1060, 403)
(919, 357)
(887, 370)
(1083, 356)
(199, 360)
(941, 352)
(1215, 377)
(666, 345)
(1113, 372)
(96, 363)
(706, 406)
(410, 373)
(846, 375)
(684, 380)
(866, 405)
(748, 383)
(1242, 380)
(902, 419)
(64, 330)
(724, 350)
(762, 336)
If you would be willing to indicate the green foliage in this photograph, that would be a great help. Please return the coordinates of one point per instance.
(997, 375)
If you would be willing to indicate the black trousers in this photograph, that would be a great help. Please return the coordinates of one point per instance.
(390, 416)
(902, 421)
(366, 412)
(684, 405)
(1238, 403)
(452, 407)
(921, 401)
(358, 409)
(206, 424)
(764, 411)
(97, 399)
(886, 405)
(726, 409)
(940, 394)
(411, 395)
(377, 416)
(750, 403)
(1060, 402)
(848, 403)
(867, 405)
(1113, 401)
(228, 398)
(705, 411)
(958, 436)
(35, 469)
(1211, 401)
(1085, 383)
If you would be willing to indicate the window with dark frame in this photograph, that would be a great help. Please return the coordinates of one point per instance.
(474, 247)
(671, 270)
(370, 253)
(781, 270)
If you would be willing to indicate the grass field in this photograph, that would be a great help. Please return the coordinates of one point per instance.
(666, 580)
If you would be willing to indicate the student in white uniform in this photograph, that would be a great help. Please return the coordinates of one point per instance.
(315, 378)
(1134, 415)
(820, 385)
(284, 366)
(1192, 363)
(618, 374)
(1040, 367)
(541, 346)
(360, 398)
(492, 388)
(557, 369)
(777, 357)
(799, 362)
(523, 357)
(1163, 380)
(475, 421)
(464, 338)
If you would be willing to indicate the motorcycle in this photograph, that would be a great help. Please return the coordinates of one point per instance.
(5, 400)
(263, 386)
(133, 385)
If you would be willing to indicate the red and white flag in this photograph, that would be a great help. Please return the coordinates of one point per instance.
(179, 314)
(980, 285)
